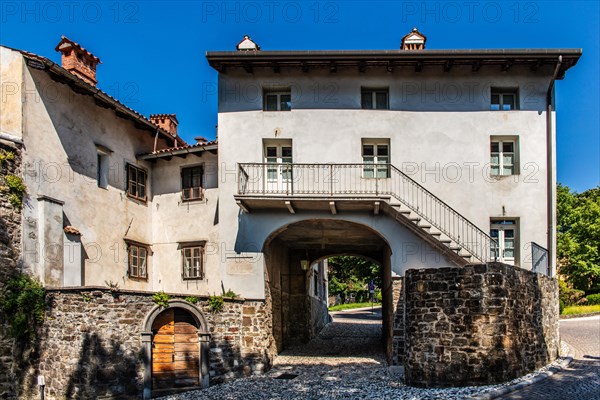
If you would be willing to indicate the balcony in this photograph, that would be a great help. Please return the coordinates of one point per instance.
(360, 187)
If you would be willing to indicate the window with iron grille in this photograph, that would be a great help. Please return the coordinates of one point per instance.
(136, 182)
(191, 183)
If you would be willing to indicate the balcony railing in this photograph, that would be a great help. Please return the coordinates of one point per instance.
(347, 180)
(539, 259)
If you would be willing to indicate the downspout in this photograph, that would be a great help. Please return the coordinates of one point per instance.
(155, 141)
(550, 176)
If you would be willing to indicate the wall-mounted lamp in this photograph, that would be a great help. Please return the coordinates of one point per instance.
(304, 264)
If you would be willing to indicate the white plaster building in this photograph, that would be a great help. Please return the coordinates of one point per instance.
(413, 158)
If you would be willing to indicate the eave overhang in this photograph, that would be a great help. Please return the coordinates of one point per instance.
(305, 60)
(178, 152)
(102, 99)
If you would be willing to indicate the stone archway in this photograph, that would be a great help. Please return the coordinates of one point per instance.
(156, 319)
(314, 239)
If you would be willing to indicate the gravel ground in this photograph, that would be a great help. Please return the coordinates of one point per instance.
(345, 361)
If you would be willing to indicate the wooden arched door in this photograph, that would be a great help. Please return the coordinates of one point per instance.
(175, 351)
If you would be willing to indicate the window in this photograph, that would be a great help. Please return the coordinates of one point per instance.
(136, 178)
(504, 99)
(503, 156)
(192, 262)
(504, 233)
(378, 154)
(374, 99)
(278, 100)
(102, 170)
(278, 158)
(138, 260)
(191, 183)
(102, 154)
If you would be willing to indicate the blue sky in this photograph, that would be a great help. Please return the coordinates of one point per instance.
(153, 51)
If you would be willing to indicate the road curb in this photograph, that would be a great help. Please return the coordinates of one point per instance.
(494, 394)
(573, 316)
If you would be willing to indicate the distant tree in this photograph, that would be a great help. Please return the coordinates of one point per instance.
(349, 274)
(578, 237)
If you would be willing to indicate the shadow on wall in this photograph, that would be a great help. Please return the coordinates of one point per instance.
(107, 363)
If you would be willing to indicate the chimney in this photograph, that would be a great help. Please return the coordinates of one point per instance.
(78, 60)
(201, 140)
(247, 44)
(168, 122)
(415, 40)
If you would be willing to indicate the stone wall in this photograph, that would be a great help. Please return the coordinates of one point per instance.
(91, 345)
(398, 323)
(478, 324)
(10, 250)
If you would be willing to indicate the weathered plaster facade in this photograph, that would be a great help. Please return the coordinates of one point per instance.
(78, 218)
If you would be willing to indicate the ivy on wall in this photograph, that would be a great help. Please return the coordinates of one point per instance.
(22, 301)
(12, 184)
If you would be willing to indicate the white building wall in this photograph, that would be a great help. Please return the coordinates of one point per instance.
(176, 221)
(443, 145)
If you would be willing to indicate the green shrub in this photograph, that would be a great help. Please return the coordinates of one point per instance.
(593, 299)
(6, 156)
(191, 299)
(16, 190)
(570, 296)
(215, 304)
(161, 299)
(23, 301)
(230, 293)
(379, 296)
(561, 306)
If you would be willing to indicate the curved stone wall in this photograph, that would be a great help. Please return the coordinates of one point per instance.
(478, 324)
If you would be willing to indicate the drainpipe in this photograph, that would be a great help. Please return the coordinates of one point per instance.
(551, 178)
(155, 141)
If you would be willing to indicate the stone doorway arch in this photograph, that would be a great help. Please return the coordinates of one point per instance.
(151, 324)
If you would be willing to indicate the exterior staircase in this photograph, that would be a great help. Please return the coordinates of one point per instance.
(402, 198)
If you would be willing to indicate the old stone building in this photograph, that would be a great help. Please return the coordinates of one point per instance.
(436, 164)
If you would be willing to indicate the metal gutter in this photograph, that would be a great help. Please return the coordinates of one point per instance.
(550, 175)
(177, 152)
(11, 138)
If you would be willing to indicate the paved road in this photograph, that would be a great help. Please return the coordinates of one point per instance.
(581, 380)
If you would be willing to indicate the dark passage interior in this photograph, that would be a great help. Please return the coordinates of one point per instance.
(297, 318)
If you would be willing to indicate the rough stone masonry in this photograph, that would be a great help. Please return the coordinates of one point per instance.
(478, 324)
(10, 251)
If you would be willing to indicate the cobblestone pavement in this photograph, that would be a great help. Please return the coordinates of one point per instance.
(581, 380)
(345, 361)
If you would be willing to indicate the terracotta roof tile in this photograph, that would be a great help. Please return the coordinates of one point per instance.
(189, 146)
(64, 39)
(69, 230)
(93, 90)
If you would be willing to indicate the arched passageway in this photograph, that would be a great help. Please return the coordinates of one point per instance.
(292, 248)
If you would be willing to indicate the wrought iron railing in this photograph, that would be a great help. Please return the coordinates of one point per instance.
(351, 180)
(539, 259)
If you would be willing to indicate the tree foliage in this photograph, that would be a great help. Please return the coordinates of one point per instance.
(23, 303)
(348, 274)
(578, 237)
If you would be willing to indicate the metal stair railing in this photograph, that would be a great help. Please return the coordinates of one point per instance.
(320, 180)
